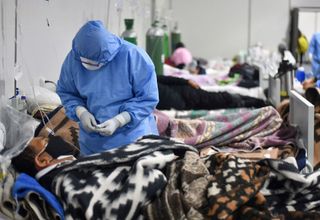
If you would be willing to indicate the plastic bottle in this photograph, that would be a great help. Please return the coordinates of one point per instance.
(300, 74)
(19, 102)
(129, 34)
(154, 46)
(23, 104)
(14, 100)
(175, 37)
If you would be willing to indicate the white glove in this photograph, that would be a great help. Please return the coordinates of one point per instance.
(87, 120)
(108, 127)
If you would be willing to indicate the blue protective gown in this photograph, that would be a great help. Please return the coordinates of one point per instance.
(314, 49)
(127, 82)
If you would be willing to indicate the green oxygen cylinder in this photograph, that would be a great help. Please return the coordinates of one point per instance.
(129, 34)
(166, 47)
(154, 46)
(175, 37)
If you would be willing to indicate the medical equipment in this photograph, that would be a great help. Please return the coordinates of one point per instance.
(19, 102)
(166, 49)
(129, 34)
(300, 74)
(285, 74)
(154, 46)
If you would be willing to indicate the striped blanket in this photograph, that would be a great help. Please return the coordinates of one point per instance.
(221, 129)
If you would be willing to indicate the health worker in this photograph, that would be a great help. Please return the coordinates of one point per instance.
(109, 86)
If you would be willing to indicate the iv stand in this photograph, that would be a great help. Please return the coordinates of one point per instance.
(15, 43)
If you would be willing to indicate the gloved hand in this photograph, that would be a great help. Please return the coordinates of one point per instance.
(108, 127)
(86, 119)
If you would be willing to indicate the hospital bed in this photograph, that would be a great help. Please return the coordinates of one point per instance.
(208, 82)
(299, 106)
(301, 113)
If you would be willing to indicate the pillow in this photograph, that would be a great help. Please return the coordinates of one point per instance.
(43, 97)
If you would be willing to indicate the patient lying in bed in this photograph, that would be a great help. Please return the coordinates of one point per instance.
(114, 184)
(42, 156)
(182, 94)
(126, 182)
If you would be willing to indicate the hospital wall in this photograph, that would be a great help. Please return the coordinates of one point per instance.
(225, 27)
(210, 28)
(45, 30)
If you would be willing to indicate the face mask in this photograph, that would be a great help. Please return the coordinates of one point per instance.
(57, 147)
(90, 64)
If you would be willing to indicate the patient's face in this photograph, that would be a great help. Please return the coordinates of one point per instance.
(38, 144)
(308, 83)
(48, 150)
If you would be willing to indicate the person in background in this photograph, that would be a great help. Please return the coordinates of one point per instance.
(181, 56)
(110, 87)
(195, 68)
(314, 54)
(181, 94)
(302, 46)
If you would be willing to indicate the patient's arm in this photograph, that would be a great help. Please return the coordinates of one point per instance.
(170, 80)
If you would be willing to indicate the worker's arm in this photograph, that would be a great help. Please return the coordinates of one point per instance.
(68, 92)
(145, 89)
(312, 47)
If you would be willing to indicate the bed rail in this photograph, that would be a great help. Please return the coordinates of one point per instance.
(302, 115)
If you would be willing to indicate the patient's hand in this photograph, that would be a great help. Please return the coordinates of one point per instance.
(193, 84)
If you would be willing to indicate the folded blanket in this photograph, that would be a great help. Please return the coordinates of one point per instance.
(43, 204)
(8, 205)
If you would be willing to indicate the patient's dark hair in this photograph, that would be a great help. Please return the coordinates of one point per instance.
(178, 45)
(24, 162)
